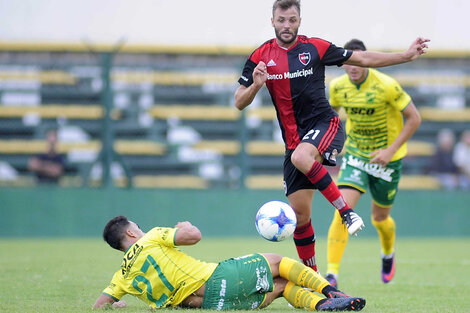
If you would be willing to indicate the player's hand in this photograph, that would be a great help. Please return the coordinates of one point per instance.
(260, 74)
(187, 234)
(183, 224)
(417, 48)
(381, 157)
(119, 304)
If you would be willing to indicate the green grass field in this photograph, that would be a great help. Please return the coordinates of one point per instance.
(67, 275)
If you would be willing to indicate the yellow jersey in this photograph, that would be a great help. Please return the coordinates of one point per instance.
(158, 273)
(374, 112)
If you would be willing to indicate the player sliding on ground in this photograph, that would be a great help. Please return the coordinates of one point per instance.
(293, 68)
(159, 274)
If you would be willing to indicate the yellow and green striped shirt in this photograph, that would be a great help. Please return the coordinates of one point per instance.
(374, 112)
(158, 273)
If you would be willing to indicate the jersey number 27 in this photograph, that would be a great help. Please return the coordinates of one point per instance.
(142, 279)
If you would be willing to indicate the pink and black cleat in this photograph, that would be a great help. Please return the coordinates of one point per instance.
(388, 269)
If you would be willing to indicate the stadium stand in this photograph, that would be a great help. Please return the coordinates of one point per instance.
(172, 115)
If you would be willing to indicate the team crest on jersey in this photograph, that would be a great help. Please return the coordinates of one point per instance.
(304, 58)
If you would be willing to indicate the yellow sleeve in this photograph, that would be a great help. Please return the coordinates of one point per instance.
(163, 235)
(114, 289)
(397, 97)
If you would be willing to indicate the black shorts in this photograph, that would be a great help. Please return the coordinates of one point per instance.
(328, 136)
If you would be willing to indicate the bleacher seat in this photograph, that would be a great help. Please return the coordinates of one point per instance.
(172, 78)
(42, 76)
(444, 115)
(170, 181)
(139, 147)
(91, 112)
(195, 112)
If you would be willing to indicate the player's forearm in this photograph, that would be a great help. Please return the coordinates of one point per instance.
(103, 301)
(378, 59)
(409, 128)
(244, 95)
(187, 234)
(100, 305)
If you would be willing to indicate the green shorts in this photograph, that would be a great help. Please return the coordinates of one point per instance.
(382, 181)
(239, 284)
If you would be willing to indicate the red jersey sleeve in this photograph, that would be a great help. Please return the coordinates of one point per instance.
(329, 53)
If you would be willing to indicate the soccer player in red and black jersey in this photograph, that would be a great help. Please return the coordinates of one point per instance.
(293, 68)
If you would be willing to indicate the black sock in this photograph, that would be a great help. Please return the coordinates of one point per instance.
(320, 303)
(387, 265)
(346, 211)
(327, 289)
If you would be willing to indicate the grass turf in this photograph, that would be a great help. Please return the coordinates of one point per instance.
(67, 275)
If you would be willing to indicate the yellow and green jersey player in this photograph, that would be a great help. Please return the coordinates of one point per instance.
(141, 271)
(158, 273)
(376, 143)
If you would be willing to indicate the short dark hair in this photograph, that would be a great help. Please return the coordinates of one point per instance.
(355, 44)
(115, 230)
(286, 4)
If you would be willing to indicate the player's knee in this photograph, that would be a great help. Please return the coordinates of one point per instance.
(274, 260)
(296, 158)
(272, 257)
(279, 285)
(301, 160)
(380, 213)
(304, 155)
(379, 216)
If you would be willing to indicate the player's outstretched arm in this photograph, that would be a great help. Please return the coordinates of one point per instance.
(245, 95)
(187, 234)
(105, 301)
(380, 59)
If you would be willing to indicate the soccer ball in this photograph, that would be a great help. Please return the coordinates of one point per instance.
(275, 221)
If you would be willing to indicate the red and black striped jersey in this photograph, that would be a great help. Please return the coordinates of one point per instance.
(296, 82)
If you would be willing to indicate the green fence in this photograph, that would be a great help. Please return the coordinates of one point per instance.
(46, 212)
